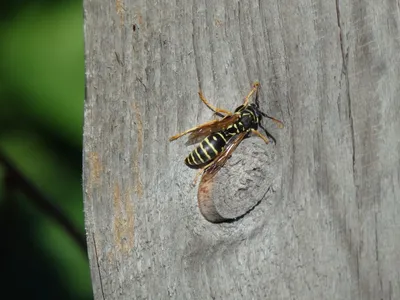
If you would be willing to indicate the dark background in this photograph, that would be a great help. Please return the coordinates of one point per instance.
(41, 118)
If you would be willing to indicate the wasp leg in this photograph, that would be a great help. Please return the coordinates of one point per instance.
(254, 89)
(214, 108)
(201, 171)
(265, 139)
(198, 173)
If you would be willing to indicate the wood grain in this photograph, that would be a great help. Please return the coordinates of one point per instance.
(329, 228)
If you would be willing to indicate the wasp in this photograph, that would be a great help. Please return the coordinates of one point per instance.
(218, 139)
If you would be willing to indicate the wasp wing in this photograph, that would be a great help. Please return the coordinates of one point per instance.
(199, 132)
(217, 125)
(221, 159)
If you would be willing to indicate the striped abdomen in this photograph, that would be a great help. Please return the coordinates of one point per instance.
(207, 150)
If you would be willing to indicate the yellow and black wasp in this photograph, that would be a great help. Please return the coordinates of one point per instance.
(219, 138)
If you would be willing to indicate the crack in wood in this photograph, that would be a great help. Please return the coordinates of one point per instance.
(98, 266)
(345, 58)
(138, 184)
(195, 49)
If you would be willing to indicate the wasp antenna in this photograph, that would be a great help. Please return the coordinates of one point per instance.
(280, 124)
(256, 101)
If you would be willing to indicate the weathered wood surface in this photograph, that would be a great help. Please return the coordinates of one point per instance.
(328, 228)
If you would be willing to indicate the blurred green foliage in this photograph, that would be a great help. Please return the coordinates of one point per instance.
(41, 118)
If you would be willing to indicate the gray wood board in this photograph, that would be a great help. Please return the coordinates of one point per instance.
(329, 226)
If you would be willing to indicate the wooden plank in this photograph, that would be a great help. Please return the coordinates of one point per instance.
(327, 227)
